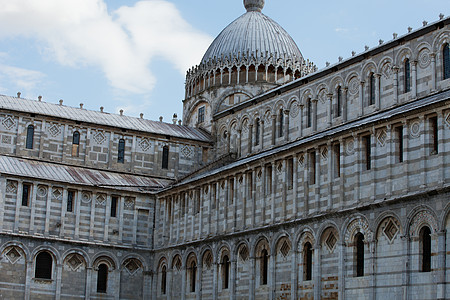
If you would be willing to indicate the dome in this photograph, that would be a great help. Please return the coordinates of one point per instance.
(253, 33)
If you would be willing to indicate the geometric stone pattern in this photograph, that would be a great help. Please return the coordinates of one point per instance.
(13, 255)
(8, 122)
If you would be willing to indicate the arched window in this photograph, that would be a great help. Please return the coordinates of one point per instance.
(121, 151)
(165, 158)
(407, 79)
(371, 89)
(43, 268)
(281, 123)
(264, 267)
(102, 278)
(425, 249)
(163, 280)
(309, 113)
(30, 137)
(225, 272)
(359, 254)
(446, 61)
(257, 131)
(193, 276)
(339, 102)
(307, 261)
(75, 143)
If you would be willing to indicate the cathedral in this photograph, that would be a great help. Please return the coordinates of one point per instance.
(281, 181)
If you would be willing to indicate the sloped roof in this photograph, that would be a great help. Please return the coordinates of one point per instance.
(102, 118)
(78, 175)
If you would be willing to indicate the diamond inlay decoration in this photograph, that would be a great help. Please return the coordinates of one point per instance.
(8, 122)
(13, 255)
(259, 174)
(285, 248)
(187, 151)
(74, 262)
(132, 267)
(331, 242)
(57, 193)
(129, 203)
(324, 153)
(390, 231)
(381, 137)
(101, 199)
(99, 137)
(11, 187)
(54, 130)
(447, 119)
(280, 168)
(243, 253)
(145, 144)
(301, 160)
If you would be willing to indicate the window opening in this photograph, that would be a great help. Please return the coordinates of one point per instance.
(225, 272)
(368, 152)
(193, 276)
(407, 80)
(434, 135)
(163, 280)
(281, 123)
(339, 102)
(359, 254)
(201, 115)
(371, 89)
(70, 197)
(425, 239)
(75, 143)
(257, 131)
(165, 158)
(114, 200)
(312, 167)
(446, 61)
(264, 267)
(26, 193)
(399, 134)
(309, 112)
(30, 137)
(43, 269)
(307, 261)
(121, 152)
(102, 278)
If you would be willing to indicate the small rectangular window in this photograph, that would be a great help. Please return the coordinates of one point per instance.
(367, 152)
(337, 160)
(121, 152)
(399, 144)
(26, 194)
(312, 167)
(114, 201)
(201, 115)
(434, 138)
(290, 174)
(231, 189)
(30, 137)
(70, 200)
(165, 158)
(269, 180)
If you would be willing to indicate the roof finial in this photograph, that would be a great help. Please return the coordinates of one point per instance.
(254, 5)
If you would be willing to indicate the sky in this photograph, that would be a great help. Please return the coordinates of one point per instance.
(133, 55)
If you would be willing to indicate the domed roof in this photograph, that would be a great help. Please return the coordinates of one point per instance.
(253, 33)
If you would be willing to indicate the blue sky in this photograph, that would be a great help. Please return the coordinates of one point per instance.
(133, 55)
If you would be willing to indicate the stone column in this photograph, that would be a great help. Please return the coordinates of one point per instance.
(395, 69)
(63, 214)
(2, 201)
(406, 266)
(341, 172)
(225, 208)
(18, 205)
(361, 98)
(215, 280)
(183, 282)
(305, 183)
(300, 125)
(33, 208)
(87, 294)
(217, 200)
(77, 203)
(264, 193)
(433, 72)
(250, 138)
(274, 128)
(273, 192)
(341, 270)
(317, 185)
(330, 174)
(198, 288)
(261, 138)
(389, 159)
(235, 201)
(295, 186)
(344, 105)
(314, 114)
(414, 79)
(28, 278)
(233, 278)
(58, 281)
(317, 276)
(441, 265)
(253, 193)
(201, 198)
(251, 295)
(286, 125)
(239, 142)
(377, 91)
(294, 273)
(330, 108)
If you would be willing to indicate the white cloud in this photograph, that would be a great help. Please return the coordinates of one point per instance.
(23, 80)
(122, 44)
